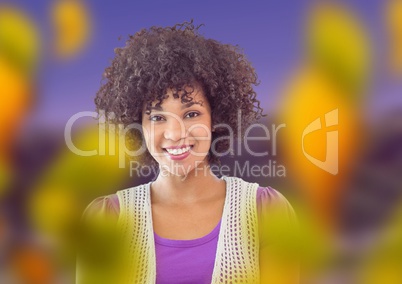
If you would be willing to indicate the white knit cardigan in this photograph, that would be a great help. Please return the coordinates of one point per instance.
(237, 255)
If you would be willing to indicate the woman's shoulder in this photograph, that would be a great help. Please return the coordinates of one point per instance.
(269, 196)
(277, 218)
(271, 200)
(107, 205)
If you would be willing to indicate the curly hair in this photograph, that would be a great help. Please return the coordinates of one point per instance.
(157, 59)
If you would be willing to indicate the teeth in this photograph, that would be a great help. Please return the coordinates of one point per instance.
(178, 151)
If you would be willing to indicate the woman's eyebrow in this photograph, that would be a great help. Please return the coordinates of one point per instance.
(187, 105)
(156, 108)
(184, 106)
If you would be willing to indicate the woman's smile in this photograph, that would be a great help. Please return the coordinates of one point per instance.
(178, 154)
(178, 150)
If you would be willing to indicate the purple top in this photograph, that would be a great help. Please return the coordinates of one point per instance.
(186, 261)
(192, 261)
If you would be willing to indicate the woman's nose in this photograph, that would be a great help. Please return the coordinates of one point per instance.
(175, 130)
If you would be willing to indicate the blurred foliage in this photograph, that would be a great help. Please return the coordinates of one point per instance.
(382, 262)
(100, 248)
(310, 96)
(31, 264)
(20, 40)
(15, 96)
(72, 27)
(338, 42)
(393, 25)
(20, 46)
(321, 107)
(5, 177)
(71, 182)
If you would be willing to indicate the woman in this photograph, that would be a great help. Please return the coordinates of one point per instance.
(188, 225)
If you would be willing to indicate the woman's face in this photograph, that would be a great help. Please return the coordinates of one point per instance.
(178, 135)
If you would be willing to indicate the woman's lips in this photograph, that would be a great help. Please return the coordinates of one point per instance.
(179, 156)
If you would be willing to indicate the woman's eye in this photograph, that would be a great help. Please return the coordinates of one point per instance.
(156, 118)
(192, 114)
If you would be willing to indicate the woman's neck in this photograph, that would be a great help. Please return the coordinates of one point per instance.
(198, 185)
